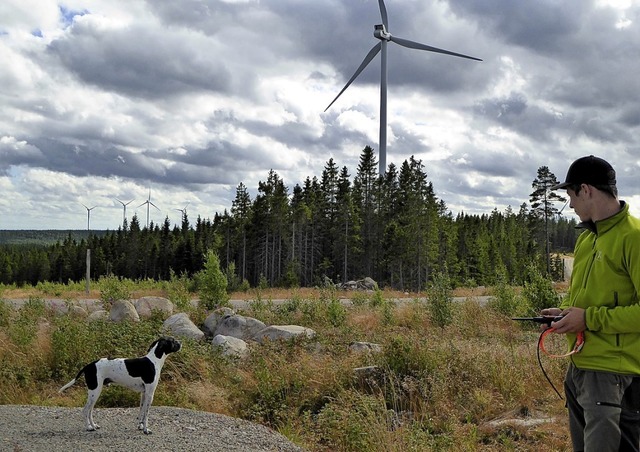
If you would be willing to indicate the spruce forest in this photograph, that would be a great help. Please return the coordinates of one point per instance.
(393, 229)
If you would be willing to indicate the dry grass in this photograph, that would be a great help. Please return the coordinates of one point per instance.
(472, 385)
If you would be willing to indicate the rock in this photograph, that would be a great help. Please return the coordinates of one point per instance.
(283, 332)
(231, 346)
(211, 322)
(365, 347)
(123, 310)
(181, 325)
(100, 314)
(369, 284)
(235, 325)
(146, 305)
(78, 311)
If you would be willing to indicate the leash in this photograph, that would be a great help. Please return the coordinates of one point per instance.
(576, 349)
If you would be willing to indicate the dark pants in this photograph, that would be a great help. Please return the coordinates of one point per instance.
(604, 410)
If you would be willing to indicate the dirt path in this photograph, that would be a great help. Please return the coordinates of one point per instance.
(55, 429)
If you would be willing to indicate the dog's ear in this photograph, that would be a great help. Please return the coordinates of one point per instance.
(153, 345)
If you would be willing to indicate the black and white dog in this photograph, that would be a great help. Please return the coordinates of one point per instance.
(140, 374)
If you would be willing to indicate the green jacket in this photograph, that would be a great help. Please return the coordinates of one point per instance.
(606, 281)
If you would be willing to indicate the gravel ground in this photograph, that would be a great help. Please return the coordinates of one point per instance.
(55, 429)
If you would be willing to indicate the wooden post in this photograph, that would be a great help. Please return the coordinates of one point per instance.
(88, 270)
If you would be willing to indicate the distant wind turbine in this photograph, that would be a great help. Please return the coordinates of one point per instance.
(124, 206)
(89, 209)
(381, 32)
(184, 210)
(148, 203)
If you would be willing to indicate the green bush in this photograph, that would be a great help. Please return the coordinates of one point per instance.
(178, 290)
(212, 283)
(440, 298)
(113, 289)
(538, 290)
(506, 300)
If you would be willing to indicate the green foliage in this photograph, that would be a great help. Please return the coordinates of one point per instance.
(440, 295)
(233, 280)
(506, 300)
(6, 311)
(212, 283)
(22, 328)
(75, 343)
(113, 289)
(178, 291)
(538, 290)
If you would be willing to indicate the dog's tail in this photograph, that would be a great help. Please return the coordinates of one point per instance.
(72, 382)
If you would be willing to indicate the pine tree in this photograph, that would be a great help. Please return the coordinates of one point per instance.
(542, 208)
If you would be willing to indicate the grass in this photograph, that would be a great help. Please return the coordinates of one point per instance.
(432, 388)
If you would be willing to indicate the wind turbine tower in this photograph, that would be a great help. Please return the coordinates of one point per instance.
(124, 207)
(148, 203)
(381, 32)
(89, 215)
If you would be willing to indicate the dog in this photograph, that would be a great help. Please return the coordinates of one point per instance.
(140, 374)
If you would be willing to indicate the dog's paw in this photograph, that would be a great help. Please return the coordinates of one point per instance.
(147, 431)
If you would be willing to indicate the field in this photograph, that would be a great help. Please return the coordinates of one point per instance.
(451, 375)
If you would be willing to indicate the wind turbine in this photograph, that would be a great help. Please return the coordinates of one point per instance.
(124, 206)
(184, 212)
(88, 214)
(381, 32)
(148, 203)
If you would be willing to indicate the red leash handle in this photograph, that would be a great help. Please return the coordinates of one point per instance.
(576, 348)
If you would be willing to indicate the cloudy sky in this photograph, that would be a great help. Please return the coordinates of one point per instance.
(115, 99)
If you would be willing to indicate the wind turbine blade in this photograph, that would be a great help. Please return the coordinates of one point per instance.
(417, 45)
(154, 205)
(143, 204)
(372, 53)
(383, 14)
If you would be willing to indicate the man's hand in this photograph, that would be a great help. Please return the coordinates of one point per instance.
(573, 320)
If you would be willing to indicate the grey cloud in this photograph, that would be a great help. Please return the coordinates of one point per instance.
(140, 62)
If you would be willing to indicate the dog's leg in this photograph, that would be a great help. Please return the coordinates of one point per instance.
(92, 398)
(147, 400)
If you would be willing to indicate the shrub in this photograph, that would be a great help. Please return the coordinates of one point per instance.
(112, 289)
(178, 290)
(506, 300)
(538, 290)
(440, 299)
(212, 283)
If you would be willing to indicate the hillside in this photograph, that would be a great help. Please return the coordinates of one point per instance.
(43, 237)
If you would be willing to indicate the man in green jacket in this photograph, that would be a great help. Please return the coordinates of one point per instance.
(602, 384)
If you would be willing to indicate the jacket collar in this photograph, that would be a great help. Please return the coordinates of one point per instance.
(602, 226)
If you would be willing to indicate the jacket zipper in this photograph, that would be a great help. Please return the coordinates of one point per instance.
(615, 304)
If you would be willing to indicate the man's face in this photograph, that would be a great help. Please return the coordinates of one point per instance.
(577, 201)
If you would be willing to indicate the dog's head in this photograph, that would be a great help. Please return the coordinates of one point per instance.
(164, 346)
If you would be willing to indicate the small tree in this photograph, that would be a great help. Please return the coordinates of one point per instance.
(212, 283)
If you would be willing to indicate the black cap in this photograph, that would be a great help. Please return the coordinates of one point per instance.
(589, 170)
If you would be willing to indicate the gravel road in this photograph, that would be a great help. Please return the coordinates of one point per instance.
(56, 429)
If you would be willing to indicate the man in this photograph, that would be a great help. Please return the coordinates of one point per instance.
(602, 384)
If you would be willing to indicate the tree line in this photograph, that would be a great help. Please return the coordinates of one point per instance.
(390, 227)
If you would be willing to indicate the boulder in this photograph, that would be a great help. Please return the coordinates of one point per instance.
(181, 325)
(123, 310)
(100, 314)
(283, 332)
(235, 325)
(146, 305)
(231, 346)
(365, 347)
(211, 322)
